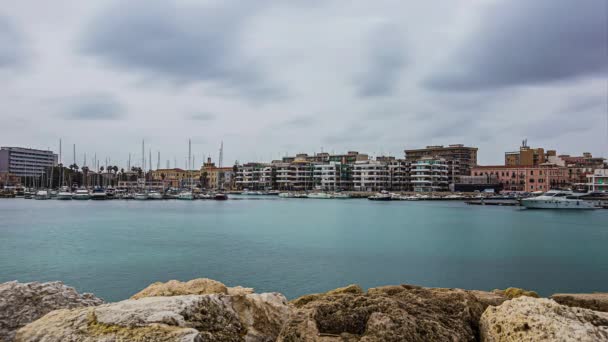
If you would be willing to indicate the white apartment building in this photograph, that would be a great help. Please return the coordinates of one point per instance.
(332, 176)
(598, 181)
(254, 176)
(20, 161)
(429, 174)
(370, 175)
(398, 175)
(296, 175)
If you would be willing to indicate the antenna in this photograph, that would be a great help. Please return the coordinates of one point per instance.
(221, 154)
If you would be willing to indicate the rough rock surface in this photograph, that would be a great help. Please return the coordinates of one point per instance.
(198, 286)
(210, 317)
(593, 301)
(514, 292)
(388, 313)
(540, 319)
(22, 303)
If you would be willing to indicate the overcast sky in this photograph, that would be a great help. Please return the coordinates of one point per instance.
(270, 77)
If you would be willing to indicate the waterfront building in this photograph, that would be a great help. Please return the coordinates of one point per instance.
(370, 175)
(398, 174)
(332, 176)
(598, 180)
(20, 161)
(526, 178)
(579, 167)
(429, 174)
(458, 158)
(254, 176)
(477, 183)
(296, 175)
(9, 180)
(176, 177)
(216, 177)
(349, 158)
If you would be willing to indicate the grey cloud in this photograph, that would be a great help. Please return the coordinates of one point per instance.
(386, 59)
(585, 104)
(298, 121)
(202, 117)
(92, 107)
(184, 43)
(529, 42)
(11, 44)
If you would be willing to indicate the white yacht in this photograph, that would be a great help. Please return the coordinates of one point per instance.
(340, 195)
(287, 195)
(141, 196)
(42, 195)
(155, 195)
(185, 195)
(81, 194)
(319, 195)
(64, 194)
(556, 199)
(99, 194)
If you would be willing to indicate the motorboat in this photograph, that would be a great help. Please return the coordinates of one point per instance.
(111, 193)
(81, 194)
(42, 195)
(155, 195)
(287, 195)
(64, 195)
(340, 195)
(557, 199)
(99, 194)
(185, 195)
(141, 196)
(381, 196)
(319, 195)
(204, 196)
(220, 197)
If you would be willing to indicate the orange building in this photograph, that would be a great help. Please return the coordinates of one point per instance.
(526, 178)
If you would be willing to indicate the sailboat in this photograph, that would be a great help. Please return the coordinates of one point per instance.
(188, 194)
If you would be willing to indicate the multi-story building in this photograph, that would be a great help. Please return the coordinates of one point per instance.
(332, 176)
(296, 175)
(528, 156)
(429, 174)
(20, 161)
(177, 177)
(255, 176)
(370, 175)
(398, 175)
(526, 178)
(458, 158)
(217, 177)
(349, 158)
(598, 180)
(579, 167)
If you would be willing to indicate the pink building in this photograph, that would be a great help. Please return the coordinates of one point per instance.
(526, 178)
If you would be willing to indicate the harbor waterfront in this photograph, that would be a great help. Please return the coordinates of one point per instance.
(299, 246)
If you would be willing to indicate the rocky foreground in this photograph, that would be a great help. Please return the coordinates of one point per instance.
(207, 310)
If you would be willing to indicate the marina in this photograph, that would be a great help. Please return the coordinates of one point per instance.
(299, 245)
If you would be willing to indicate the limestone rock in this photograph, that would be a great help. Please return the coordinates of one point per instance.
(22, 303)
(388, 313)
(210, 317)
(177, 288)
(540, 319)
(514, 292)
(592, 301)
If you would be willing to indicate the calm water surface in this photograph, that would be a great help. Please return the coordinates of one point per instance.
(300, 246)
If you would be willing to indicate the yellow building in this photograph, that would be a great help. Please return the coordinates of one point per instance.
(176, 177)
(216, 177)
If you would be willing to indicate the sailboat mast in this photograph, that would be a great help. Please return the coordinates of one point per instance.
(190, 156)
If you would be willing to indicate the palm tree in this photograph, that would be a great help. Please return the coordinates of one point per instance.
(85, 172)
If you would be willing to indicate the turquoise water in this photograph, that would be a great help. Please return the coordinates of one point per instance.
(300, 246)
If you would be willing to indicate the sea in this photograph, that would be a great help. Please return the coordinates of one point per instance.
(115, 248)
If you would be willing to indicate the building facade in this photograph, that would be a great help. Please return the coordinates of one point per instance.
(333, 176)
(22, 162)
(458, 158)
(526, 178)
(429, 174)
(371, 175)
(598, 180)
(254, 176)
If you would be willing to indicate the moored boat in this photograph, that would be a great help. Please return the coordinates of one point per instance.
(141, 196)
(185, 195)
(64, 195)
(557, 199)
(81, 194)
(319, 195)
(155, 195)
(98, 194)
(220, 196)
(42, 195)
(381, 196)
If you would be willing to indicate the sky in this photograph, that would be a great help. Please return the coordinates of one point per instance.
(277, 77)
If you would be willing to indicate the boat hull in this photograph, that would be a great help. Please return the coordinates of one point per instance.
(549, 204)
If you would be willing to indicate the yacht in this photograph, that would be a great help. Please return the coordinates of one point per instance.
(220, 197)
(319, 195)
(42, 195)
(81, 194)
(64, 194)
(155, 195)
(557, 199)
(382, 196)
(340, 195)
(142, 196)
(287, 195)
(98, 194)
(111, 193)
(185, 195)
